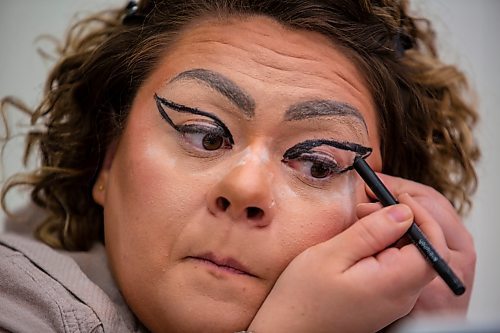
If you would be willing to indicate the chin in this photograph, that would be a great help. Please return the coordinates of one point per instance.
(199, 316)
(193, 296)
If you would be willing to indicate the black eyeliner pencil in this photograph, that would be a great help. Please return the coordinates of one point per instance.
(414, 233)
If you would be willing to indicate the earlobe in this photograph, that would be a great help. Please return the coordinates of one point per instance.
(100, 185)
(99, 188)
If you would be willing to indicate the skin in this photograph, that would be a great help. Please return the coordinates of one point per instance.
(436, 300)
(158, 229)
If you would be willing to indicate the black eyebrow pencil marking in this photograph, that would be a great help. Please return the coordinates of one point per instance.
(414, 233)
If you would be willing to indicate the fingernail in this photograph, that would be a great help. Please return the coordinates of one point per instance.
(400, 213)
(368, 205)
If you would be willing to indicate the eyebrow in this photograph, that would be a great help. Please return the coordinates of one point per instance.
(323, 108)
(223, 85)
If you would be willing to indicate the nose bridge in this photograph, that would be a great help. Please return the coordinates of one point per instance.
(251, 178)
(245, 191)
(254, 163)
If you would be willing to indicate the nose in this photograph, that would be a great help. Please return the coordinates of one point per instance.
(244, 194)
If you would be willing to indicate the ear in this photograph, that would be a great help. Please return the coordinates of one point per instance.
(101, 183)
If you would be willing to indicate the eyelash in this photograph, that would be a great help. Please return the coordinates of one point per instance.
(190, 134)
(321, 161)
(325, 164)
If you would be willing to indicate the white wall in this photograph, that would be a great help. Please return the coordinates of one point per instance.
(468, 34)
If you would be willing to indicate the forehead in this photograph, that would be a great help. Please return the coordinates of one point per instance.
(277, 66)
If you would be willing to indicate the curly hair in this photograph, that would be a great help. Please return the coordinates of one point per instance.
(425, 117)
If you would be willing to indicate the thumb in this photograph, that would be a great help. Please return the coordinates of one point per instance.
(371, 234)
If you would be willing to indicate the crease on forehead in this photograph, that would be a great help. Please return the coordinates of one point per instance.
(205, 30)
(208, 31)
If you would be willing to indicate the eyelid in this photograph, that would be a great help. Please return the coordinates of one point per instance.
(291, 153)
(186, 109)
(342, 157)
(196, 128)
(320, 158)
(308, 145)
(189, 131)
(314, 158)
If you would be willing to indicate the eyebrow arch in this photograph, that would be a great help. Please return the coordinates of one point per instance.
(223, 85)
(322, 108)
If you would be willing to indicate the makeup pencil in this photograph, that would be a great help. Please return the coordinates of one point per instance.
(414, 233)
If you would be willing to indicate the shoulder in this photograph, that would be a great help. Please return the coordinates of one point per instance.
(32, 298)
(45, 291)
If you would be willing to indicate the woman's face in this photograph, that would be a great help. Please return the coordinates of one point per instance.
(228, 168)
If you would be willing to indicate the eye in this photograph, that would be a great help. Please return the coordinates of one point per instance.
(315, 162)
(205, 137)
(212, 142)
(314, 165)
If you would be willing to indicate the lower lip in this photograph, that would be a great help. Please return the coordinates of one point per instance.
(218, 269)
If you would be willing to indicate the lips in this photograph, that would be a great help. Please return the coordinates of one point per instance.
(228, 264)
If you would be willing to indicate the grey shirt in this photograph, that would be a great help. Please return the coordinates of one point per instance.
(43, 290)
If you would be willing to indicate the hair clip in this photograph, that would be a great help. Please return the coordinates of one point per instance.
(131, 15)
(402, 42)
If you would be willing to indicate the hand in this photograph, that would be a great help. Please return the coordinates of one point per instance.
(353, 282)
(436, 298)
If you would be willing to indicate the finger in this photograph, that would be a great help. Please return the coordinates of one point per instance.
(406, 267)
(431, 229)
(427, 196)
(398, 186)
(396, 271)
(370, 235)
(367, 208)
(461, 262)
(457, 236)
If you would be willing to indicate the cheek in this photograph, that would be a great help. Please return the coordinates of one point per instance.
(307, 220)
(146, 205)
(153, 191)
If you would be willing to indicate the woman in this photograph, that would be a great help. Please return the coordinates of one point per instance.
(204, 143)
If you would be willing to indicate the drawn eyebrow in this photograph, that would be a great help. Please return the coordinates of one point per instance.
(223, 85)
(323, 108)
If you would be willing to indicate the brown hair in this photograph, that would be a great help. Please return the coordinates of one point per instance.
(424, 117)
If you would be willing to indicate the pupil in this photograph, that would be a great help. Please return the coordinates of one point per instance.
(319, 170)
(212, 141)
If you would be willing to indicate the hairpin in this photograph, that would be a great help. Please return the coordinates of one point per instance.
(131, 15)
(402, 42)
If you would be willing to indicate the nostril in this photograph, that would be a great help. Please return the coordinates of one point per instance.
(254, 213)
(223, 203)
